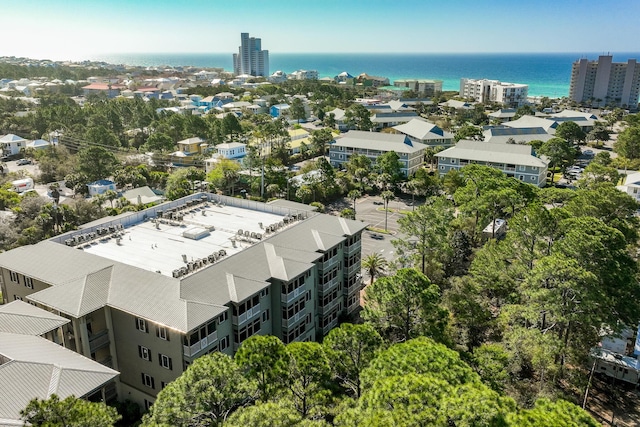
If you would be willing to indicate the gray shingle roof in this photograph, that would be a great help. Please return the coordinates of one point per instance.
(22, 318)
(494, 153)
(378, 141)
(33, 367)
(423, 130)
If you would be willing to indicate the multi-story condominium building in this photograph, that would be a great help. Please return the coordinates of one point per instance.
(251, 59)
(424, 132)
(518, 161)
(303, 75)
(374, 144)
(148, 292)
(421, 86)
(604, 82)
(483, 90)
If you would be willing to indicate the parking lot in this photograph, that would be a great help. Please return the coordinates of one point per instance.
(370, 209)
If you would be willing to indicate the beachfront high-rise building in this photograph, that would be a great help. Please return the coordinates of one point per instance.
(483, 90)
(604, 82)
(420, 86)
(251, 59)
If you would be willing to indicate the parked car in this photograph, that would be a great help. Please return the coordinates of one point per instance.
(588, 153)
(377, 236)
(23, 162)
(376, 202)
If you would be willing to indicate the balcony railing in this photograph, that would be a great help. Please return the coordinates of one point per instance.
(330, 263)
(349, 250)
(287, 298)
(99, 340)
(330, 326)
(353, 307)
(252, 312)
(287, 323)
(324, 309)
(353, 269)
(329, 285)
(194, 349)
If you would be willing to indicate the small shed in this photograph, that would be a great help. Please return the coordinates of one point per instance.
(495, 230)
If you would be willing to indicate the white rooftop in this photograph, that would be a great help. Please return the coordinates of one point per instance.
(160, 246)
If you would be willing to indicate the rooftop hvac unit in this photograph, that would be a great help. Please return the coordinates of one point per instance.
(222, 252)
(260, 225)
(247, 233)
(240, 232)
(211, 258)
(190, 266)
(259, 236)
(205, 261)
(281, 224)
(175, 273)
(253, 235)
(183, 271)
(184, 257)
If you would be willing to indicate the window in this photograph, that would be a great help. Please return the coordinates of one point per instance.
(224, 343)
(223, 317)
(144, 353)
(264, 292)
(14, 276)
(161, 332)
(522, 167)
(265, 316)
(28, 282)
(147, 404)
(163, 385)
(248, 330)
(141, 325)
(165, 361)
(148, 381)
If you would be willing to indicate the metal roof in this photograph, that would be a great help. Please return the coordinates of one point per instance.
(423, 130)
(32, 366)
(378, 141)
(493, 153)
(20, 317)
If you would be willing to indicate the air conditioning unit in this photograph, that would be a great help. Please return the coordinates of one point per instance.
(240, 232)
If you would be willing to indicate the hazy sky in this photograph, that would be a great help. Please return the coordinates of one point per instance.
(78, 29)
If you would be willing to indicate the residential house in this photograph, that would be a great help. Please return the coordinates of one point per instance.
(148, 292)
(503, 115)
(631, 185)
(111, 90)
(518, 161)
(100, 187)
(299, 138)
(12, 144)
(373, 145)
(424, 132)
(231, 150)
(278, 110)
(339, 117)
(390, 119)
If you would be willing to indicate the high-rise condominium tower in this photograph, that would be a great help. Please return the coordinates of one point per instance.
(604, 82)
(251, 59)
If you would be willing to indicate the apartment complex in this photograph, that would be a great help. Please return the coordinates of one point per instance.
(373, 145)
(483, 90)
(421, 86)
(515, 160)
(251, 59)
(148, 292)
(604, 82)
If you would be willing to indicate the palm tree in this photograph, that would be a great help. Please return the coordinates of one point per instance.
(375, 264)
(386, 196)
(354, 195)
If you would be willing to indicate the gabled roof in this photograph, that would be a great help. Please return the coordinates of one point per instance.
(526, 121)
(378, 141)
(493, 153)
(423, 130)
(32, 366)
(189, 141)
(20, 317)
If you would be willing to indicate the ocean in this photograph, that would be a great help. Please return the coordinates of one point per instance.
(547, 74)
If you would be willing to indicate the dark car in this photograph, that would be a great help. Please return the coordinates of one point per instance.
(378, 203)
(377, 236)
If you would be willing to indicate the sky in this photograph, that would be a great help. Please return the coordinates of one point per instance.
(81, 29)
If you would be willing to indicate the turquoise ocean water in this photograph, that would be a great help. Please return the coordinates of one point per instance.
(547, 74)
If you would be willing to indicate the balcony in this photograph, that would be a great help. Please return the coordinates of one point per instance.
(330, 263)
(252, 312)
(287, 298)
(350, 250)
(327, 328)
(99, 340)
(194, 349)
(288, 323)
(353, 307)
(327, 287)
(355, 268)
(325, 309)
(355, 286)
